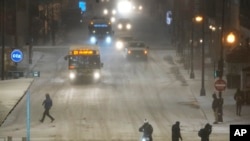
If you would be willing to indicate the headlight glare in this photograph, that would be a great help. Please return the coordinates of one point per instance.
(93, 39)
(97, 75)
(119, 45)
(72, 75)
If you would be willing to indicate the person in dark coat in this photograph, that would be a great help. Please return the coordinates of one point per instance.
(47, 103)
(215, 107)
(220, 108)
(205, 132)
(147, 130)
(176, 132)
(238, 97)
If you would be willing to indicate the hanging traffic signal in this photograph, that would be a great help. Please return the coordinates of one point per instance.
(217, 74)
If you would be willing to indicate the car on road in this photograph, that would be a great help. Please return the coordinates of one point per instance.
(136, 50)
(124, 24)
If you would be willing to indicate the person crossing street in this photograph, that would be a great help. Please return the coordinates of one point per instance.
(47, 103)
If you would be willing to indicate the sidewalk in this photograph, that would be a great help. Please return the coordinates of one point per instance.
(205, 102)
(13, 90)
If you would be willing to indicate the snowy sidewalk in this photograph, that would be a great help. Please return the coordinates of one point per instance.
(13, 90)
(205, 102)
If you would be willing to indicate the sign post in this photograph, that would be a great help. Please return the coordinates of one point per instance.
(28, 114)
(220, 85)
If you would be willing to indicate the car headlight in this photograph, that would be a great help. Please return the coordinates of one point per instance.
(119, 45)
(140, 7)
(113, 12)
(105, 11)
(119, 26)
(72, 75)
(97, 75)
(112, 19)
(128, 26)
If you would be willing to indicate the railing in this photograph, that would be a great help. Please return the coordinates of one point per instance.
(15, 74)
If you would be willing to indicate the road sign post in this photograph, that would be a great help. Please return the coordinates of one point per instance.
(220, 85)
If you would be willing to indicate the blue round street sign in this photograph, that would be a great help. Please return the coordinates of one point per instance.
(16, 55)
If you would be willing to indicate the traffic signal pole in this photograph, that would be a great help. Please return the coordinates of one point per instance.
(221, 61)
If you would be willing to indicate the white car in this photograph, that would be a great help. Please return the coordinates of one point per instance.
(136, 49)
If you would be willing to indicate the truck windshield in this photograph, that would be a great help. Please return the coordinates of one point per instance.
(86, 61)
(102, 30)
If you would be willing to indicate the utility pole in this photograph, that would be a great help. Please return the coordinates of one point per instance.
(52, 25)
(3, 37)
(15, 24)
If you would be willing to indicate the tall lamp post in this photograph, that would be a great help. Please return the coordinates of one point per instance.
(201, 20)
(192, 51)
(196, 19)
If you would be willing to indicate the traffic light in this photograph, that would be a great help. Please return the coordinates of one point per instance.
(217, 73)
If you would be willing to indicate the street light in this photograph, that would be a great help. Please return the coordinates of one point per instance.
(231, 38)
(197, 19)
(202, 91)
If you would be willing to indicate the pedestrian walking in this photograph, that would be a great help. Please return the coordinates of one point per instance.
(205, 132)
(47, 103)
(215, 107)
(220, 108)
(147, 130)
(176, 132)
(238, 97)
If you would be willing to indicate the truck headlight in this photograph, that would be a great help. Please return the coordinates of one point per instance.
(108, 39)
(93, 39)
